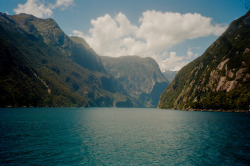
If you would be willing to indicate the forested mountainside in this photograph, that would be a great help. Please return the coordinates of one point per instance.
(140, 77)
(41, 66)
(217, 80)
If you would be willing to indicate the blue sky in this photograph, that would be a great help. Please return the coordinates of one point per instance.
(173, 32)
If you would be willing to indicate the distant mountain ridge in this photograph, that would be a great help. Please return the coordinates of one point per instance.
(219, 79)
(140, 77)
(44, 67)
(40, 66)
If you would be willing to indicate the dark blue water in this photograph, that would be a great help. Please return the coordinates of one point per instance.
(107, 136)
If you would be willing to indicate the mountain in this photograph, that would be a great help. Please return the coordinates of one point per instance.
(217, 80)
(140, 77)
(41, 66)
(170, 75)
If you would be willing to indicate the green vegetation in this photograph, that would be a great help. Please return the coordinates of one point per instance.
(219, 79)
(237, 99)
(41, 66)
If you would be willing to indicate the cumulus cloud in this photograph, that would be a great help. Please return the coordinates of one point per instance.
(40, 9)
(78, 33)
(34, 7)
(113, 34)
(170, 61)
(156, 34)
(162, 30)
(62, 4)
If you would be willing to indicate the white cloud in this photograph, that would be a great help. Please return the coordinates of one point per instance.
(78, 33)
(39, 9)
(165, 30)
(156, 34)
(35, 8)
(62, 4)
(170, 61)
(114, 34)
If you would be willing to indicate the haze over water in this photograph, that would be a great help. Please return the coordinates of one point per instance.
(122, 136)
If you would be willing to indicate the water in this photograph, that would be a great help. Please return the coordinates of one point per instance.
(114, 136)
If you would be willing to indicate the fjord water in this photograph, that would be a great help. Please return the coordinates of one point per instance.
(122, 136)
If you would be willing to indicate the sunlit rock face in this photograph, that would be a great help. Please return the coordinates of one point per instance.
(219, 79)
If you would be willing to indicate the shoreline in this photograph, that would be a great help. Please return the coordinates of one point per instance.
(188, 109)
(210, 110)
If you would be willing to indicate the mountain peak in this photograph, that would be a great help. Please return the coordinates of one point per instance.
(34, 70)
(48, 29)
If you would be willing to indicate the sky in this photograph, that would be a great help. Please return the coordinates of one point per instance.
(173, 32)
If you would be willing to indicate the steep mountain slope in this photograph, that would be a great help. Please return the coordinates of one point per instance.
(52, 35)
(42, 66)
(140, 77)
(219, 79)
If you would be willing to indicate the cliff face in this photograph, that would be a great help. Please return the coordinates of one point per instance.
(219, 79)
(140, 77)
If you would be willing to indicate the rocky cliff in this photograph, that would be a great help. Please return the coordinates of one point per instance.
(140, 77)
(217, 80)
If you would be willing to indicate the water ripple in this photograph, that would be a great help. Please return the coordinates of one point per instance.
(107, 136)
